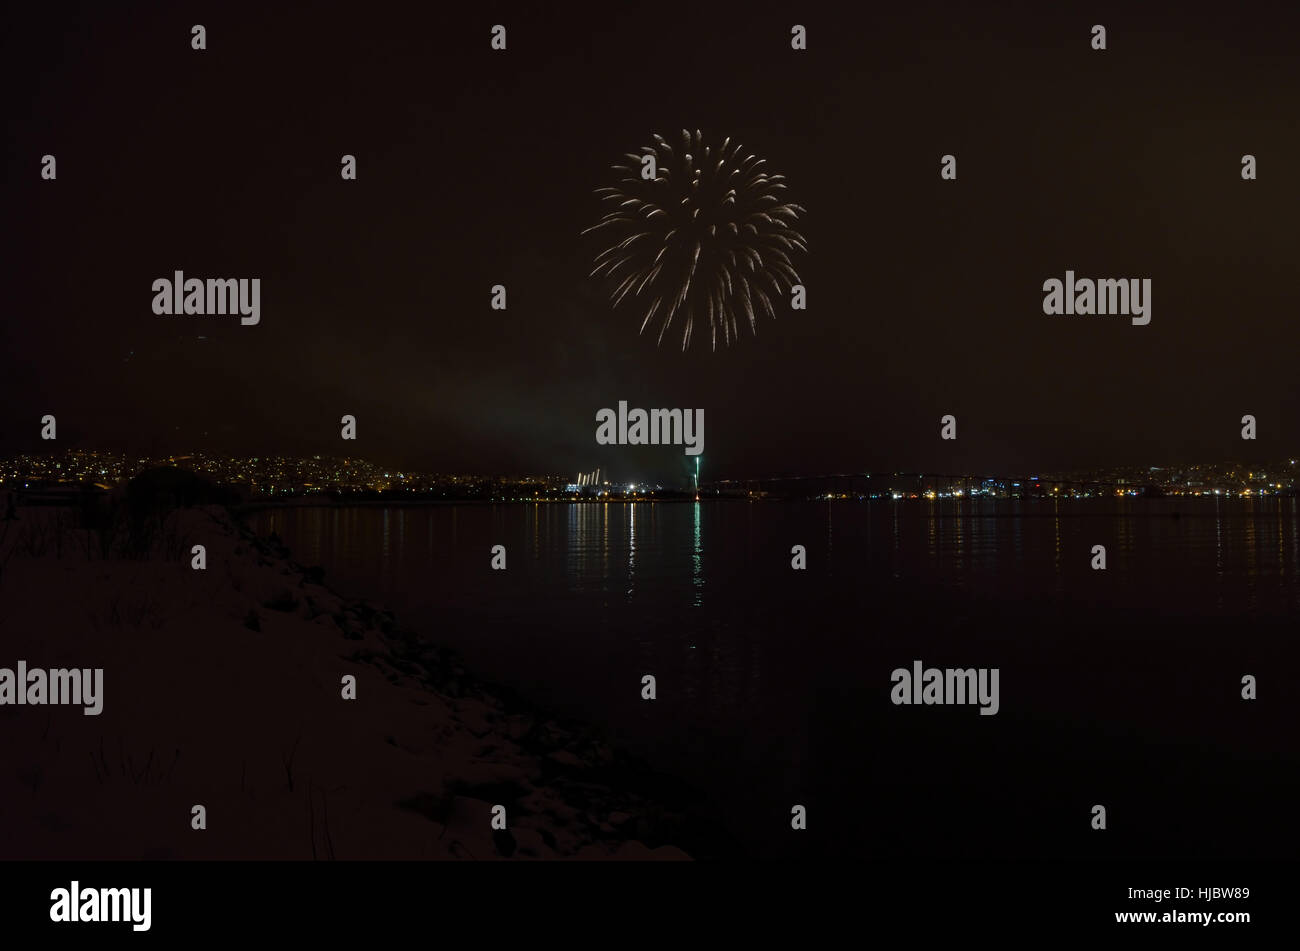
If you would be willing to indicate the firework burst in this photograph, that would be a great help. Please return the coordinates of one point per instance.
(709, 234)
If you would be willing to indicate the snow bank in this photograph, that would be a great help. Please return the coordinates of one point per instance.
(222, 688)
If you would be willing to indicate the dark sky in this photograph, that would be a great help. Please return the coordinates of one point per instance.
(477, 167)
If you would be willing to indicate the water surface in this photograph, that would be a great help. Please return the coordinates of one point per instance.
(1119, 686)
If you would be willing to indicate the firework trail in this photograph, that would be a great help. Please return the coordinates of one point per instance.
(708, 234)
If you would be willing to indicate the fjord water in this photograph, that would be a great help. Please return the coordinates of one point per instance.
(1118, 687)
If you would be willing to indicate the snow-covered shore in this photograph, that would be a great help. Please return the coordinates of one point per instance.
(222, 687)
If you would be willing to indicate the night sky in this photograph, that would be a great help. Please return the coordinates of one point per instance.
(478, 167)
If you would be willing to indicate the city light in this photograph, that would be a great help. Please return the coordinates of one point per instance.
(288, 477)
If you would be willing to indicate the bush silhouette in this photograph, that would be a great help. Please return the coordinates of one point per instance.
(159, 491)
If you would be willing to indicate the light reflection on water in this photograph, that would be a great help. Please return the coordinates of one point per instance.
(704, 591)
(697, 558)
(744, 649)
(1215, 557)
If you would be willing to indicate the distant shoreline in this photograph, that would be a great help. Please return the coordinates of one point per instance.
(1238, 511)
